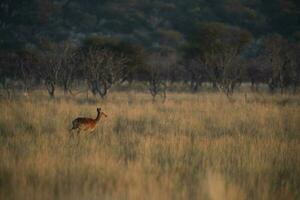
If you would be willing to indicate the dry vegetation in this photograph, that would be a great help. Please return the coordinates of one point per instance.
(193, 146)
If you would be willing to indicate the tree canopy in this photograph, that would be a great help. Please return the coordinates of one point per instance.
(145, 22)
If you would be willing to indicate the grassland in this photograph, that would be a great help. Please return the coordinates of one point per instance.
(193, 146)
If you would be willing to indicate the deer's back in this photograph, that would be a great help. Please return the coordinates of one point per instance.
(82, 122)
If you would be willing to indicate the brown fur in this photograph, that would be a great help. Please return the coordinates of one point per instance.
(87, 124)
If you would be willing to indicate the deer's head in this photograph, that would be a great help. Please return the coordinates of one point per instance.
(101, 113)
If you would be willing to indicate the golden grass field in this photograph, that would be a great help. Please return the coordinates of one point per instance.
(193, 146)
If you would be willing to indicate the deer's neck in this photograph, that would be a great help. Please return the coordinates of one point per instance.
(98, 117)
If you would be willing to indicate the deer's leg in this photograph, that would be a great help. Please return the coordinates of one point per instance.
(71, 133)
(92, 133)
(78, 136)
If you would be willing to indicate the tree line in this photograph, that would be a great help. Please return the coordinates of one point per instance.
(223, 55)
(103, 43)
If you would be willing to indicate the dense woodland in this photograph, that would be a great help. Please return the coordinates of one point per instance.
(106, 42)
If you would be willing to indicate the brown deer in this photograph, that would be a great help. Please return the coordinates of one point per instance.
(87, 124)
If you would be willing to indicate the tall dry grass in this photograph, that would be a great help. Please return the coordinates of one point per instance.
(194, 146)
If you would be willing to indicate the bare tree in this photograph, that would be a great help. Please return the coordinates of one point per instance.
(257, 70)
(52, 63)
(196, 73)
(159, 64)
(103, 68)
(7, 72)
(282, 57)
(69, 67)
(295, 65)
(217, 48)
(27, 61)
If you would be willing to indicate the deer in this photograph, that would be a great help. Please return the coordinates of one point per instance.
(87, 124)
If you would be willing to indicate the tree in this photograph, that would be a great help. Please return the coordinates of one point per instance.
(295, 65)
(218, 48)
(69, 67)
(53, 59)
(7, 70)
(158, 65)
(27, 63)
(257, 70)
(292, 74)
(196, 73)
(102, 68)
(134, 54)
(282, 57)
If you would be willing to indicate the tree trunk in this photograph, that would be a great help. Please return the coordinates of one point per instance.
(93, 87)
(194, 86)
(65, 89)
(271, 85)
(51, 89)
(215, 87)
(294, 88)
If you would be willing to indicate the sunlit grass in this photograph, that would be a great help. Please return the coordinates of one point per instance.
(193, 146)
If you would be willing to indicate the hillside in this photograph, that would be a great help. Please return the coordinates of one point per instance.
(150, 23)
